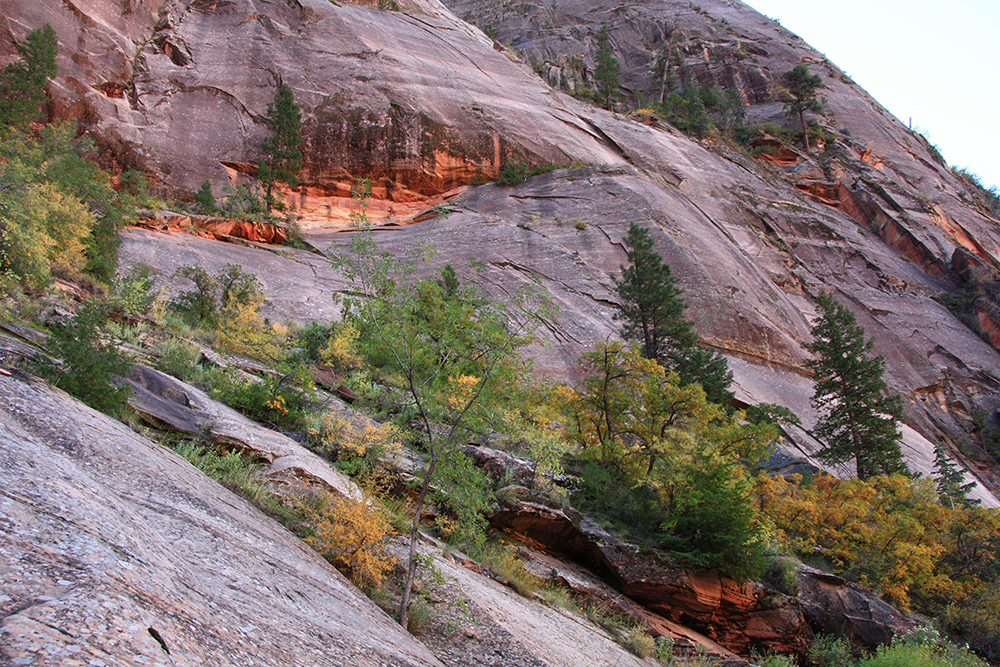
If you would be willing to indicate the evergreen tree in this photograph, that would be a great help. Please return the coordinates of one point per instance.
(858, 421)
(282, 157)
(606, 72)
(802, 87)
(205, 200)
(951, 484)
(23, 82)
(652, 313)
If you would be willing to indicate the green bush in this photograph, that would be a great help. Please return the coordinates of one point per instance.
(830, 651)
(205, 200)
(88, 365)
(272, 400)
(132, 292)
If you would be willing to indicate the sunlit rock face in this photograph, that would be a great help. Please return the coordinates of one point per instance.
(425, 106)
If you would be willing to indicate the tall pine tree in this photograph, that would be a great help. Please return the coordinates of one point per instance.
(802, 85)
(282, 157)
(606, 72)
(23, 82)
(652, 313)
(858, 421)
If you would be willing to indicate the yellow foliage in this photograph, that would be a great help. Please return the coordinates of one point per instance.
(341, 349)
(888, 533)
(351, 533)
(337, 437)
(243, 331)
(461, 390)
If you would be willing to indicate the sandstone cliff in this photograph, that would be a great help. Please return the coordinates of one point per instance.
(425, 104)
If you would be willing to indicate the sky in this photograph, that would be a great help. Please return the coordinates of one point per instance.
(937, 63)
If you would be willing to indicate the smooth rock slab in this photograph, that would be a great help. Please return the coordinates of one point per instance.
(116, 551)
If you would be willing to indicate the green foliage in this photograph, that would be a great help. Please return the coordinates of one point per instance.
(213, 296)
(272, 400)
(802, 86)
(951, 484)
(132, 292)
(668, 468)
(23, 82)
(606, 71)
(989, 198)
(858, 421)
(515, 172)
(652, 313)
(906, 653)
(444, 360)
(243, 202)
(830, 651)
(88, 365)
(57, 209)
(204, 199)
(282, 157)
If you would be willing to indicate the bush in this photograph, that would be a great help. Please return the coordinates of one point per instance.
(204, 199)
(830, 651)
(89, 366)
(269, 401)
(639, 641)
(132, 293)
(351, 533)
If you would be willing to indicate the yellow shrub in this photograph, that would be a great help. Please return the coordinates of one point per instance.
(341, 349)
(243, 331)
(351, 533)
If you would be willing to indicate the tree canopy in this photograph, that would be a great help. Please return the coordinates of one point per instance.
(606, 72)
(858, 421)
(652, 314)
(802, 85)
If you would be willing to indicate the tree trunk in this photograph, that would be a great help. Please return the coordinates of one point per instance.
(411, 565)
(805, 130)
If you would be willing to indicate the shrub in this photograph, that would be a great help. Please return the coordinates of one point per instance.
(132, 292)
(351, 533)
(341, 351)
(89, 366)
(639, 641)
(830, 651)
(204, 199)
(268, 401)
(243, 331)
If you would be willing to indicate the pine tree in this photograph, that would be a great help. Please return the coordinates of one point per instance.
(652, 313)
(23, 82)
(802, 87)
(951, 484)
(606, 72)
(282, 157)
(858, 421)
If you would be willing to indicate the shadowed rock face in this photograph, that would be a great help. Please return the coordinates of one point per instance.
(117, 550)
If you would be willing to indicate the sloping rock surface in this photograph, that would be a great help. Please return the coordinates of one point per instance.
(424, 104)
(117, 551)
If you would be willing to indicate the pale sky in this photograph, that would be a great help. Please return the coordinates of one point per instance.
(935, 62)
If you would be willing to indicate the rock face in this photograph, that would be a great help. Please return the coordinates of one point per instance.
(117, 551)
(736, 615)
(424, 104)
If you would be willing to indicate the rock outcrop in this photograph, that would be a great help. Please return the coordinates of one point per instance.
(701, 607)
(117, 551)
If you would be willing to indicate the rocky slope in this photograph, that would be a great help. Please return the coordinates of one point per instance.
(425, 104)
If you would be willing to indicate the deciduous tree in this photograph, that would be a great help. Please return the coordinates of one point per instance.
(447, 355)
